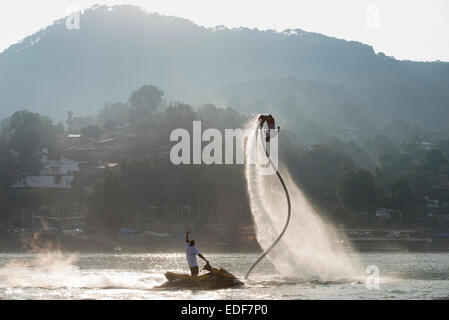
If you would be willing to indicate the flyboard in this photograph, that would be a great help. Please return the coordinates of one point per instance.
(288, 203)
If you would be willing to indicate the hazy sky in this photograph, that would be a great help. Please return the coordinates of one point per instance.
(405, 29)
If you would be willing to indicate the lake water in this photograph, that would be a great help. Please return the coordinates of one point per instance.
(136, 276)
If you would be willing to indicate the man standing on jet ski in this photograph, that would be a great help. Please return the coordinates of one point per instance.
(270, 124)
(191, 254)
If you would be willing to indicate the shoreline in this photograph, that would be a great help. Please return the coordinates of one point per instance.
(207, 250)
(80, 244)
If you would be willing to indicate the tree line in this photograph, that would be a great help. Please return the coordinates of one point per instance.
(341, 178)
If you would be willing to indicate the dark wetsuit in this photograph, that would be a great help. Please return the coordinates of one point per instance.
(270, 124)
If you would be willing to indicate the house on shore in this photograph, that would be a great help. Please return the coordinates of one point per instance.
(56, 174)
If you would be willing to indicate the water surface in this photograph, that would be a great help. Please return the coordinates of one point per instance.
(136, 276)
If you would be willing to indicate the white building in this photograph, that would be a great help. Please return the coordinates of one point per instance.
(57, 174)
(432, 203)
(427, 145)
(388, 213)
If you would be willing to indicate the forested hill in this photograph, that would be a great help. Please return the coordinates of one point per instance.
(121, 48)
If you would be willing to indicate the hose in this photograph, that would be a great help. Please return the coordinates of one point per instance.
(288, 215)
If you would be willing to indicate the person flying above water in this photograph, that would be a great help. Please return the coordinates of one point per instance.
(191, 254)
(270, 124)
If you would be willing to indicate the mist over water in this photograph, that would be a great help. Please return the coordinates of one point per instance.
(56, 270)
(308, 249)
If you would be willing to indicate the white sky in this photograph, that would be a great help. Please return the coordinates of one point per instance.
(405, 29)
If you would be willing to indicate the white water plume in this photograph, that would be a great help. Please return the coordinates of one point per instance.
(55, 270)
(308, 249)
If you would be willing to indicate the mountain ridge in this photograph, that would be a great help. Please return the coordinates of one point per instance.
(118, 49)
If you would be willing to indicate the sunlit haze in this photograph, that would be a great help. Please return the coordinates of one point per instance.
(415, 30)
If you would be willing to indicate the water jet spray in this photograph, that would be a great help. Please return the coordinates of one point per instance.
(303, 246)
(288, 204)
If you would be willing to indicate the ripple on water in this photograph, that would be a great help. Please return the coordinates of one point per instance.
(135, 276)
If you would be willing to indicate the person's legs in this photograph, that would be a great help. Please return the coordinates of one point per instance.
(194, 271)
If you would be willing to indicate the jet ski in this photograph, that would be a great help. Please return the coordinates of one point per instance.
(216, 278)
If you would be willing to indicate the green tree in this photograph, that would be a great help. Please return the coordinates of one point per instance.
(318, 170)
(27, 134)
(434, 159)
(402, 194)
(397, 128)
(69, 120)
(339, 214)
(420, 182)
(356, 189)
(117, 113)
(144, 101)
(110, 202)
(79, 122)
(7, 176)
(443, 145)
(91, 132)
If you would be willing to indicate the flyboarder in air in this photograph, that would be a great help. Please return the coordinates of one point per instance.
(271, 127)
(270, 124)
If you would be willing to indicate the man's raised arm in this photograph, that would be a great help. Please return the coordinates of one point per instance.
(187, 236)
(202, 257)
